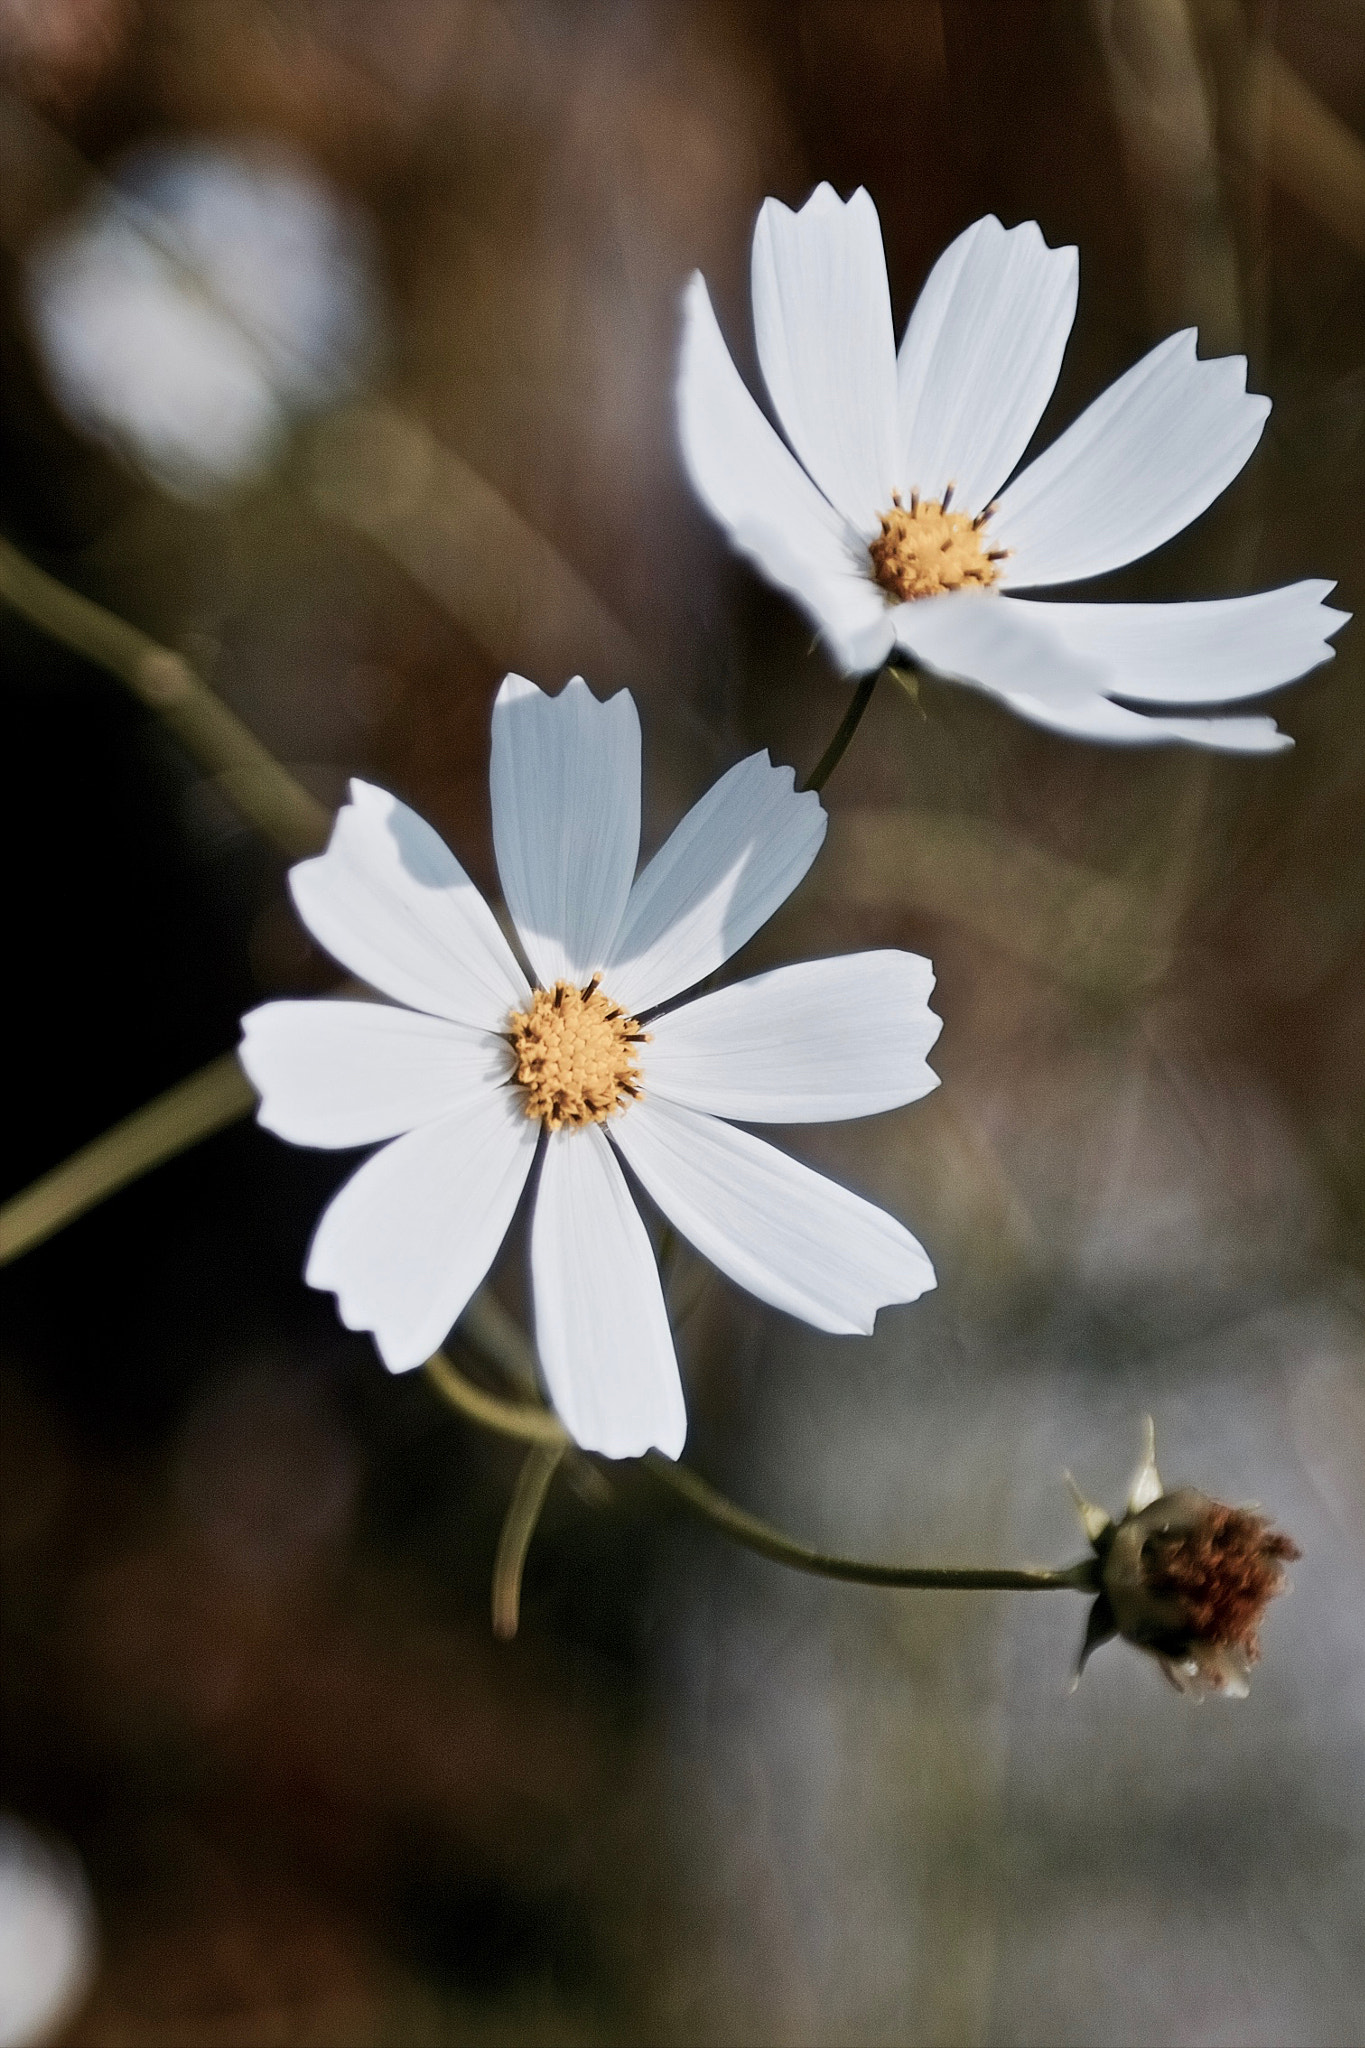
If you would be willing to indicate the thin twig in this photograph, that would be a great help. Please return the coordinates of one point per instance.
(528, 1498)
(264, 791)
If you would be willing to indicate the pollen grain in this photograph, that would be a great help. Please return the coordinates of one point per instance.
(576, 1055)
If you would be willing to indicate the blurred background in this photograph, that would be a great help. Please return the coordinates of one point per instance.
(338, 338)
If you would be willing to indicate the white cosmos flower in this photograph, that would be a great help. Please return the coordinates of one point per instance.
(893, 530)
(485, 1060)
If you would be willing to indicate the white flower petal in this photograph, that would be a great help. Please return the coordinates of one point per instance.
(601, 1326)
(994, 643)
(1095, 718)
(774, 1226)
(822, 322)
(850, 614)
(980, 359)
(337, 1074)
(389, 900)
(1139, 464)
(765, 501)
(721, 873)
(565, 781)
(816, 1042)
(411, 1235)
(1205, 653)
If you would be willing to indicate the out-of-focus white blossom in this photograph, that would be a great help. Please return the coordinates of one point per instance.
(47, 1936)
(195, 305)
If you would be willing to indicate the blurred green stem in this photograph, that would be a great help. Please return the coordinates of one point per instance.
(528, 1498)
(532, 1424)
(264, 791)
(218, 1095)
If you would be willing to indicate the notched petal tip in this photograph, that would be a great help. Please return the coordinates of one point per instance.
(1031, 231)
(1143, 460)
(363, 794)
(395, 1358)
(822, 199)
(806, 801)
(609, 1438)
(516, 688)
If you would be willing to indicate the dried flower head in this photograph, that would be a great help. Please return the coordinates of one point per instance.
(1185, 1578)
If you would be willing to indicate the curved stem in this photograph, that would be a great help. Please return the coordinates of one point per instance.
(487, 1325)
(528, 1498)
(533, 1425)
(848, 725)
(218, 1095)
(537, 1425)
(264, 791)
(754, 1534)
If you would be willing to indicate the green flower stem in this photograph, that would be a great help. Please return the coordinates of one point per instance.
(848, 725)
(538, 1426)
(744, 1528)
(487, 1325)
(218, 1095)
(528, 1498)
(264, 791)
(531, 1424)
(904, 672)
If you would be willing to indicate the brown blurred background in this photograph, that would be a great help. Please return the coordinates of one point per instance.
(247, 1668)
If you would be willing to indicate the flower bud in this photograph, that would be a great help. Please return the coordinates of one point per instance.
(1187, 1579)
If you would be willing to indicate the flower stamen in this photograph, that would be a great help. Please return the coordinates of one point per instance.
(924, 548)
(576, 1055)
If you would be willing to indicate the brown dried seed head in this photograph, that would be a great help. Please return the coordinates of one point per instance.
(1225, 1572)
(1189, 1579)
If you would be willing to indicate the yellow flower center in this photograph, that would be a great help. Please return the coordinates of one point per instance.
(576, 1055)
(924, 548)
